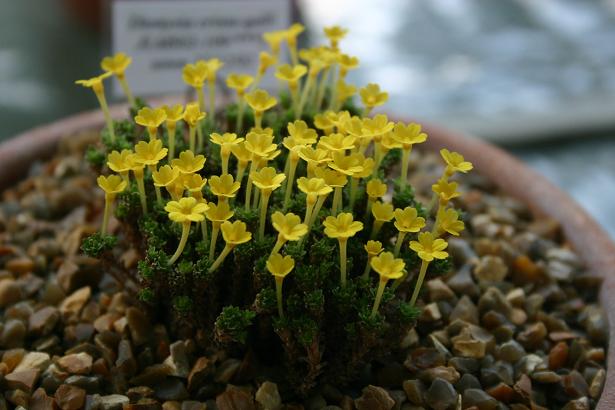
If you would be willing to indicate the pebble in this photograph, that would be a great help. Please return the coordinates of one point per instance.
(439, 290)
(558, 355)
(170, 389)
(73, 304)
(112, 402)
(479, 399)
(20, 266)
(465, 310)
(40, 400)
(510, 351)
(575, 385)
(441, 395)
(533, 335)
(13, 334)
(139, 325)
(43, 321)
(34, 361)
(490, 269)
(579, 404)
(595, 388)
(202, 368)
(78, 363)
(374, 398)
(268, 396)
(227, 370)
(125, 359)
(70, 397)
(21, 380)
(502, 392)
(10, 292)
(462, 283)
(448, 373)
(415, 391)
(178, 360)
(235, 398)
(546, 377)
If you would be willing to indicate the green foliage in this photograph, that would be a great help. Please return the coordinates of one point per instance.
(233, 324)
(183, 304)
(95, 157)
(95, 245)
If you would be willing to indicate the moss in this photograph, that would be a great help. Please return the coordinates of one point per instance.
(183, 304)
(233, 324)
(95, 157)
(96, 244)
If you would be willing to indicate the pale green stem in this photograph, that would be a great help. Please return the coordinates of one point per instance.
(153, 133)
(333, 96)
(278, 245)
(204, 230)
(309, 207)
(400, 239)
(241, 169)
(141, 189)
(436, 224)
(317, 207)
(171, 134)
(249, 186)
(105, 109)
(126, 89)
(278, 292)
(292, 167)
(182, 242)
(215, 228)
(192, 139)
(227, 249)
(419, 282)
(320, 95)
(367, 111)
(256, 198)
(337, 200)
(106, 213)
(376, 228)
(158, 194)
(368, 208)
(381, 285)
(263, 214)
(377, 158)
(241, 106)
(212, 99)
(354, 182)
(201, 98)
(343, 242)
(404, 168)
(258, 119)
(304, 95)
(199, 137)
(225, 154)
(368, 268)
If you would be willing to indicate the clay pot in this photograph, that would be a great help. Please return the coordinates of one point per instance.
(512, 176)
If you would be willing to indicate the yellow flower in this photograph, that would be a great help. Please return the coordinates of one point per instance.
(265, 60)
(383, 211)
(211, 66)
(428, 248)
(387, 266)
(407, 220)
(337, 142)
(332, 178)
(193, 114)
(322, 121)
(377, 126)
(267, 179)
(151, 118)
(368, 166)
(344, 91)
(408, 135)
(293, 32)
(235, 233)
(112, 185)
(373, 248)
(194, 183)
(301, 133)
(195, 75)
(346, 164)
(375, 188)
(186, 210)
(346, 64)
(445, 190)
(219, 213)
(371, 96)
(274, 39)
(388, 142)
(174, 113)
(280, 266)
(259, 144)
(149, 153)
(116, 64)
(120, 162)
(260, 100)
(448, 221)
(335, 34)
(343, 226)
(165, 176)
(95, 83)
(226, 142)
(313, 186)
(239, 82)
(188, 163)
(455, 162)
(291, 74)
(289, 226)
(223, 186)
(241, 153)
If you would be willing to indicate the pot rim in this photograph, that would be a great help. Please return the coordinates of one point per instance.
(512, 176)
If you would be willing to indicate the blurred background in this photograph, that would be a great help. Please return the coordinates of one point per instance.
(534, 76)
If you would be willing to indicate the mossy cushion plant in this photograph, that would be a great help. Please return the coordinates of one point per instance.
(323, 251)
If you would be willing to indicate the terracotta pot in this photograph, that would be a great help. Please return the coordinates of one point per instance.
(512, 176)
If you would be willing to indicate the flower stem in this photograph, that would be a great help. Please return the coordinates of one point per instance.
(304, 95)
(153, 133)
(214, 238)
(171, 135)
(321, 200)
(376, 228)
(419, 282)
(212, 99)
(204, 230)
(353, 192)
(141, 189)
(241, 169)
(278, 292)
(294, 94)
(309, 207)
(368, 208)
(278, 245)
(182, 242)
(227, 249)
(400, 240)
(126, 89)
(192, 135)
(225, 154)
(403, 179)
(201, 98)
(292, 167)
(241, 105)
(258, 119)
(337, 200)
(381, 285)
(106, 213)
(320, 94)
(263, 214)
(368, 268)
(105, 109)
(343, 242)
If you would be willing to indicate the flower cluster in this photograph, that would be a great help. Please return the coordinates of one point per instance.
(289, 174)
